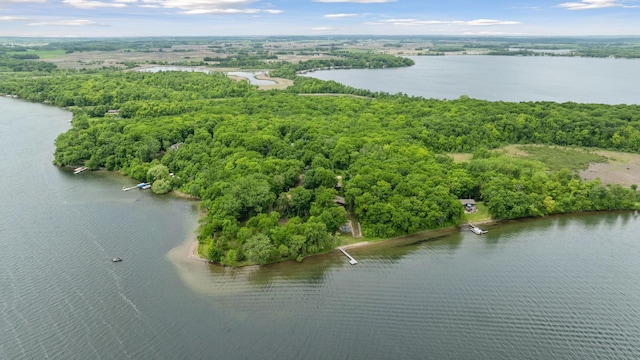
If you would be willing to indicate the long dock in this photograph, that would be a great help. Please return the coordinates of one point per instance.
(352, 261)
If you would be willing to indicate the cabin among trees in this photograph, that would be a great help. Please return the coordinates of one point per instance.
(339, 200)
(469, 205)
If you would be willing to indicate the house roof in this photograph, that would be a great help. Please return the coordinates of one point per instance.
(339, 200)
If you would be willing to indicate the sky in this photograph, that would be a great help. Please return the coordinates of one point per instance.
(130, 18)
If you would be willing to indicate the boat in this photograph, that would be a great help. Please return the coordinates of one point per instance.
(80, 169)
(143, 186)
(116, 259)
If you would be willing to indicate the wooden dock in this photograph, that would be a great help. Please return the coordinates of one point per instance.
(352, 261)
(476, 230)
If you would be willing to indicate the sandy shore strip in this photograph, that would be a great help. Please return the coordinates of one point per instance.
(193, 253)
(280, 83)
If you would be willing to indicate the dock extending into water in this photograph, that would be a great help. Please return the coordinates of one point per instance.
(352, 261)
(142, 186)
(476, 230)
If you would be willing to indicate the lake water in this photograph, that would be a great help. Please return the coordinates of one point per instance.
(503, 78)
(555, 288)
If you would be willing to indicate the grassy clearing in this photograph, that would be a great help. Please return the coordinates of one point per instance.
(481, 215)
(203, 250)
(556, 158)
(461, 157)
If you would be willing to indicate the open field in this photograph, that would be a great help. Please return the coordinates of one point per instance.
(556, 157)
(611, 167)
(620, 168)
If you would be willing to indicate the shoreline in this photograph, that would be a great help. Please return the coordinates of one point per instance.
(192, 252)
(426, 235)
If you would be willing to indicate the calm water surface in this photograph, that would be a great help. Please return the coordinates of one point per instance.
(503, 78)
(557, 288)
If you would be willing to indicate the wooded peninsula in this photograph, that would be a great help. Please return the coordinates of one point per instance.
(279, 172)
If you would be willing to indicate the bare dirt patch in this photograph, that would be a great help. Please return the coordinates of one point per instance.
(621, 168)
(280, 83)
(514, 150)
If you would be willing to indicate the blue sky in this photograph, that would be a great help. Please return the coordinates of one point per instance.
(317, 17)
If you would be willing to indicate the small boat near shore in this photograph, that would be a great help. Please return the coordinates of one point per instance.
(80, 169)
(116, 259)
(143, 186)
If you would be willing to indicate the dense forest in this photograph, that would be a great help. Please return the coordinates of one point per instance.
(268, 166)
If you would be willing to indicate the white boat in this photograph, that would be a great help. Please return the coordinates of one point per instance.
(117, 259)
(80, 169)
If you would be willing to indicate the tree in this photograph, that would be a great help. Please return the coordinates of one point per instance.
(259, 249)
(161, 186)
(315, 178)
(157, 172)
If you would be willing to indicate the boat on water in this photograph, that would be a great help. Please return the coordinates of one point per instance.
(116, 259)
(143, 186)
(80, 169)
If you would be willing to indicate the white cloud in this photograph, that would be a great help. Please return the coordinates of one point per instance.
(492, 33)
(12, 18)
(338, 16)
(322, 28)
(22, 1)
(415, 22)
(221, 11)
(67, 23)
(216, 7)
(87, 4)
(594, 4)
(356, 1)
(486, 22)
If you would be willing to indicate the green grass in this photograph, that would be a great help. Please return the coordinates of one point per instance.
(481, 215)
(44, 54)
(556, 158)
(203, 250)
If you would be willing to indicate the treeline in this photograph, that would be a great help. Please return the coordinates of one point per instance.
(21, 63)
(25, 56)
(625, 52)
(143, 44)
(269, 166)
(343, 60)
(243, 60)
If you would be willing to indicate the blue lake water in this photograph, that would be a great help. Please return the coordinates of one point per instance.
(503, 78)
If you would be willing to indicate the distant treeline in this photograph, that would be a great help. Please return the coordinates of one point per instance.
(343, 60)
(18, 63)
